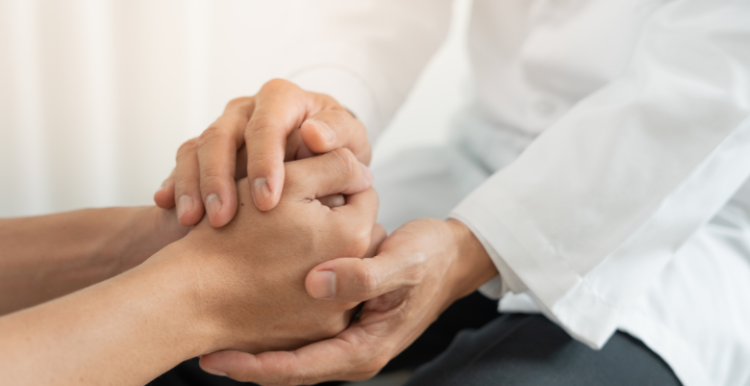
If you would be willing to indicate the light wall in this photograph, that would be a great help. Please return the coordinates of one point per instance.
(96, 95)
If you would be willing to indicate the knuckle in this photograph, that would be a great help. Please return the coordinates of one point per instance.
(277, 84)
(263, 160)
(210, 180)
(347, 163)
(327, 100)
(346, 154)
(188, 148)
(368, 281)
(261, 124)
(184, 184)
(211, 134)
(240, 101)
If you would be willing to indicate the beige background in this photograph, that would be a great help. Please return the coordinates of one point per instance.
(96, 95)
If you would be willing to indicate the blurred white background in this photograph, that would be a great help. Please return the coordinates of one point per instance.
(96, 95)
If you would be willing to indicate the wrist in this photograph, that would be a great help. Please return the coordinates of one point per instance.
(146, 230)
(473, 265)
(212, 298)
(177, 278)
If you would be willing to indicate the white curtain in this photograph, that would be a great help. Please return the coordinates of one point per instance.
(96, 95)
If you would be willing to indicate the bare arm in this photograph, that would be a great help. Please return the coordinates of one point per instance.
(45, 257)
(239, 287)
(123, 331)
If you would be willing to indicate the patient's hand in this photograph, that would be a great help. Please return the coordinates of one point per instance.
(250, 275)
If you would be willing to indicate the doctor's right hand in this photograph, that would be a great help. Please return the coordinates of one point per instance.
(253, 138)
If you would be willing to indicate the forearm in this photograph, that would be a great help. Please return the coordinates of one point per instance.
(123, 331)
(45, 257)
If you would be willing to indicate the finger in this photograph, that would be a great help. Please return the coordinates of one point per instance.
(359, 213)
(187, 189)
(357, 219)
(333, 200)
(326, 281)
(164, 197)
(217, 155)
(335, 128)
(280, 108)
(354, 355)
(331, 173)
(358, 280)
(378, 235)
(295, 148)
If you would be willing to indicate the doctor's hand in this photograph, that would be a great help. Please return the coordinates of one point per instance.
(421, 269)
(252, 138)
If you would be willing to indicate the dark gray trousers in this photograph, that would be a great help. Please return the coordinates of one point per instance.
(509, 350)
(517, 349)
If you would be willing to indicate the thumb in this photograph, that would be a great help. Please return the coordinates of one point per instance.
(350, 279)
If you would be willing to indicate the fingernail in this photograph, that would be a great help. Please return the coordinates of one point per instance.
(213, 204)
(325, 131)
(368, 174)
(163, 185)
(324, 285)
(261, 191)
(214, 372)
(184, 204)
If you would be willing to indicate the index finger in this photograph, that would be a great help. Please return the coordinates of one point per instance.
(280, 108)
(335, 172)
(217, 153)
(334, 128)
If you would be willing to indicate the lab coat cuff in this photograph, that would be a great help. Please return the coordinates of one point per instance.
(347, 89)
(506, 280)
(527, 264)
(493, 289)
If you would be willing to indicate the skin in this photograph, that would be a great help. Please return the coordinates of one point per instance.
(45, 257)
(206, 292)
(420, 269)
(253, 138)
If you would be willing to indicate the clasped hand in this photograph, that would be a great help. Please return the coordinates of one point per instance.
(249, 275)
(417, 272)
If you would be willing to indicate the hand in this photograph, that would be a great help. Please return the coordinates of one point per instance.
(252, 138)
(250, 274)
(419, 270)
(238, 287)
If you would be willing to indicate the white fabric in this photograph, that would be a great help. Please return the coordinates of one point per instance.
(429, 181)
(644, 113)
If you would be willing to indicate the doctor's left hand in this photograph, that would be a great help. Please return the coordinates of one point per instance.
(253, 138)
(420, 270)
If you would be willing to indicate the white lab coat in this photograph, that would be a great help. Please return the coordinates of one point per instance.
(619, 137)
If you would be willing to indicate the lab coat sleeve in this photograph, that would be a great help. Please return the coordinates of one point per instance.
(597, 205)
(367, 54)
